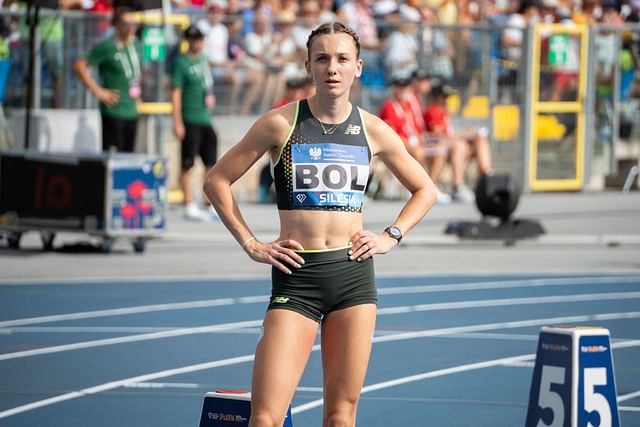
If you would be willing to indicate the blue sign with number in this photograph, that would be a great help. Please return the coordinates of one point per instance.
(597, 404)
(550, 395)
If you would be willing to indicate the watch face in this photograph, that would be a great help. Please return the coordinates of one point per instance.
(395, 232)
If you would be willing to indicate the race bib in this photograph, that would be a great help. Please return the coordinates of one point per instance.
(329, 175)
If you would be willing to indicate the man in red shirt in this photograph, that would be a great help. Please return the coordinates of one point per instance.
(462, 145)
(397, 111)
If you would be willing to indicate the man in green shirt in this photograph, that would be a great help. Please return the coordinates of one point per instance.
(118, 62)
(192, 100)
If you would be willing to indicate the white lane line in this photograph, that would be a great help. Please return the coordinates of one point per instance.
(509, 301)
(381, 312)
(507, 284)
(83, 329)
(130, 339)
(571, 281)
(525, 358)
(419, 377)
(161, 385)
(248, 358)
(199, 279)
(134, 310)
(629, 408)
(628, 396)
(124, 382)
(109, 330)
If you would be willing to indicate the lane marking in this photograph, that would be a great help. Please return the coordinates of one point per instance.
(134, 310)
(248, 358)
(508, 301)
(162, 385)
(130, 339)
(629, 408)
(381, 312)
(109, 330)
(525, 358)
(629, 396)
(526, 283)
(507, 284)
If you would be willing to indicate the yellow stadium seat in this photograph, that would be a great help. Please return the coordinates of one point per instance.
(550, 128)
(477, 108)
(506, 122)
(453, 104)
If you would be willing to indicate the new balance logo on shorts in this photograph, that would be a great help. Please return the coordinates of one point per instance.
(279, 300)
(352, 130)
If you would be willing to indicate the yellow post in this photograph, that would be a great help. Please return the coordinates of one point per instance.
(557, 150)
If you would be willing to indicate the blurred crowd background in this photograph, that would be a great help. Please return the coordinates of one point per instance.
(482, 48)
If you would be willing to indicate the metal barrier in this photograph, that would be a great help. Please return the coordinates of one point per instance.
(503, 89)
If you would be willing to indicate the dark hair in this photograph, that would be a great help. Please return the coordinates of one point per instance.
(119, 13)
(193, 33)
(333, 28)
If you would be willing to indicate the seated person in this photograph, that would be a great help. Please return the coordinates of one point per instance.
(461, 145)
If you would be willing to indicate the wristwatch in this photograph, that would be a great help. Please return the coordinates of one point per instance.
(394, 232)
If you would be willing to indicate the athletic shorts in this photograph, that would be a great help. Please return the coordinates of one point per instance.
(198, 140)
(118, 134)
(327, 281)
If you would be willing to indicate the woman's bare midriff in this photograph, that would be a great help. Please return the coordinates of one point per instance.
(317, 230)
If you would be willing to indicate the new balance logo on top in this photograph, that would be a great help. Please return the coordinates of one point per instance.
(352, 130)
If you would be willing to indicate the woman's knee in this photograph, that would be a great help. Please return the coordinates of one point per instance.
(339, 419)
(264, 419)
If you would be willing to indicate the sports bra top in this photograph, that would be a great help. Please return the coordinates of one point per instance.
(323, 168)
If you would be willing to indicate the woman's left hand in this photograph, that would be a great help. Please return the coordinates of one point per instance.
(365, 244)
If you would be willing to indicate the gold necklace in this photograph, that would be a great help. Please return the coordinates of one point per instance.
(331, 129)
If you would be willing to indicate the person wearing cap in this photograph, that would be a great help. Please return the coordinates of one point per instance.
(396, 111)
(462, 145)
(118, 62)
(192, 99)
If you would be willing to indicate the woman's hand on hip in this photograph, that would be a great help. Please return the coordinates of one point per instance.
(280, 253)
(365, 244)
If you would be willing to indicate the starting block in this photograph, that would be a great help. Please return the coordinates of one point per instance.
(230, 408)
(573, 382)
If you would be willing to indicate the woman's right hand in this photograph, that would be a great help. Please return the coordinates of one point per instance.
(178, 131)
(109, 97)
(280, 253)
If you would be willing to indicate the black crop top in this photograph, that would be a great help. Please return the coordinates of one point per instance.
(322, 171)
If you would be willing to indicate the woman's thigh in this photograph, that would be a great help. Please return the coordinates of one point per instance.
(281, 356)
(346, 347)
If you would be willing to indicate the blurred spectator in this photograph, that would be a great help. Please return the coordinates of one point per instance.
(118, 62)
(192, 100)
(327, 13)
(357, 14)
(51, 46)
(436, 149)
(297, 87)
(396, 110)
(462, 145)
(257, 44)
(437, 50)
(216, 49)
(308, 19)
(528, 13)
(250, 12)
(281, 59)
(469, 47)
(446, 10)
(289, 6)
(586, 12)
(400, 53)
